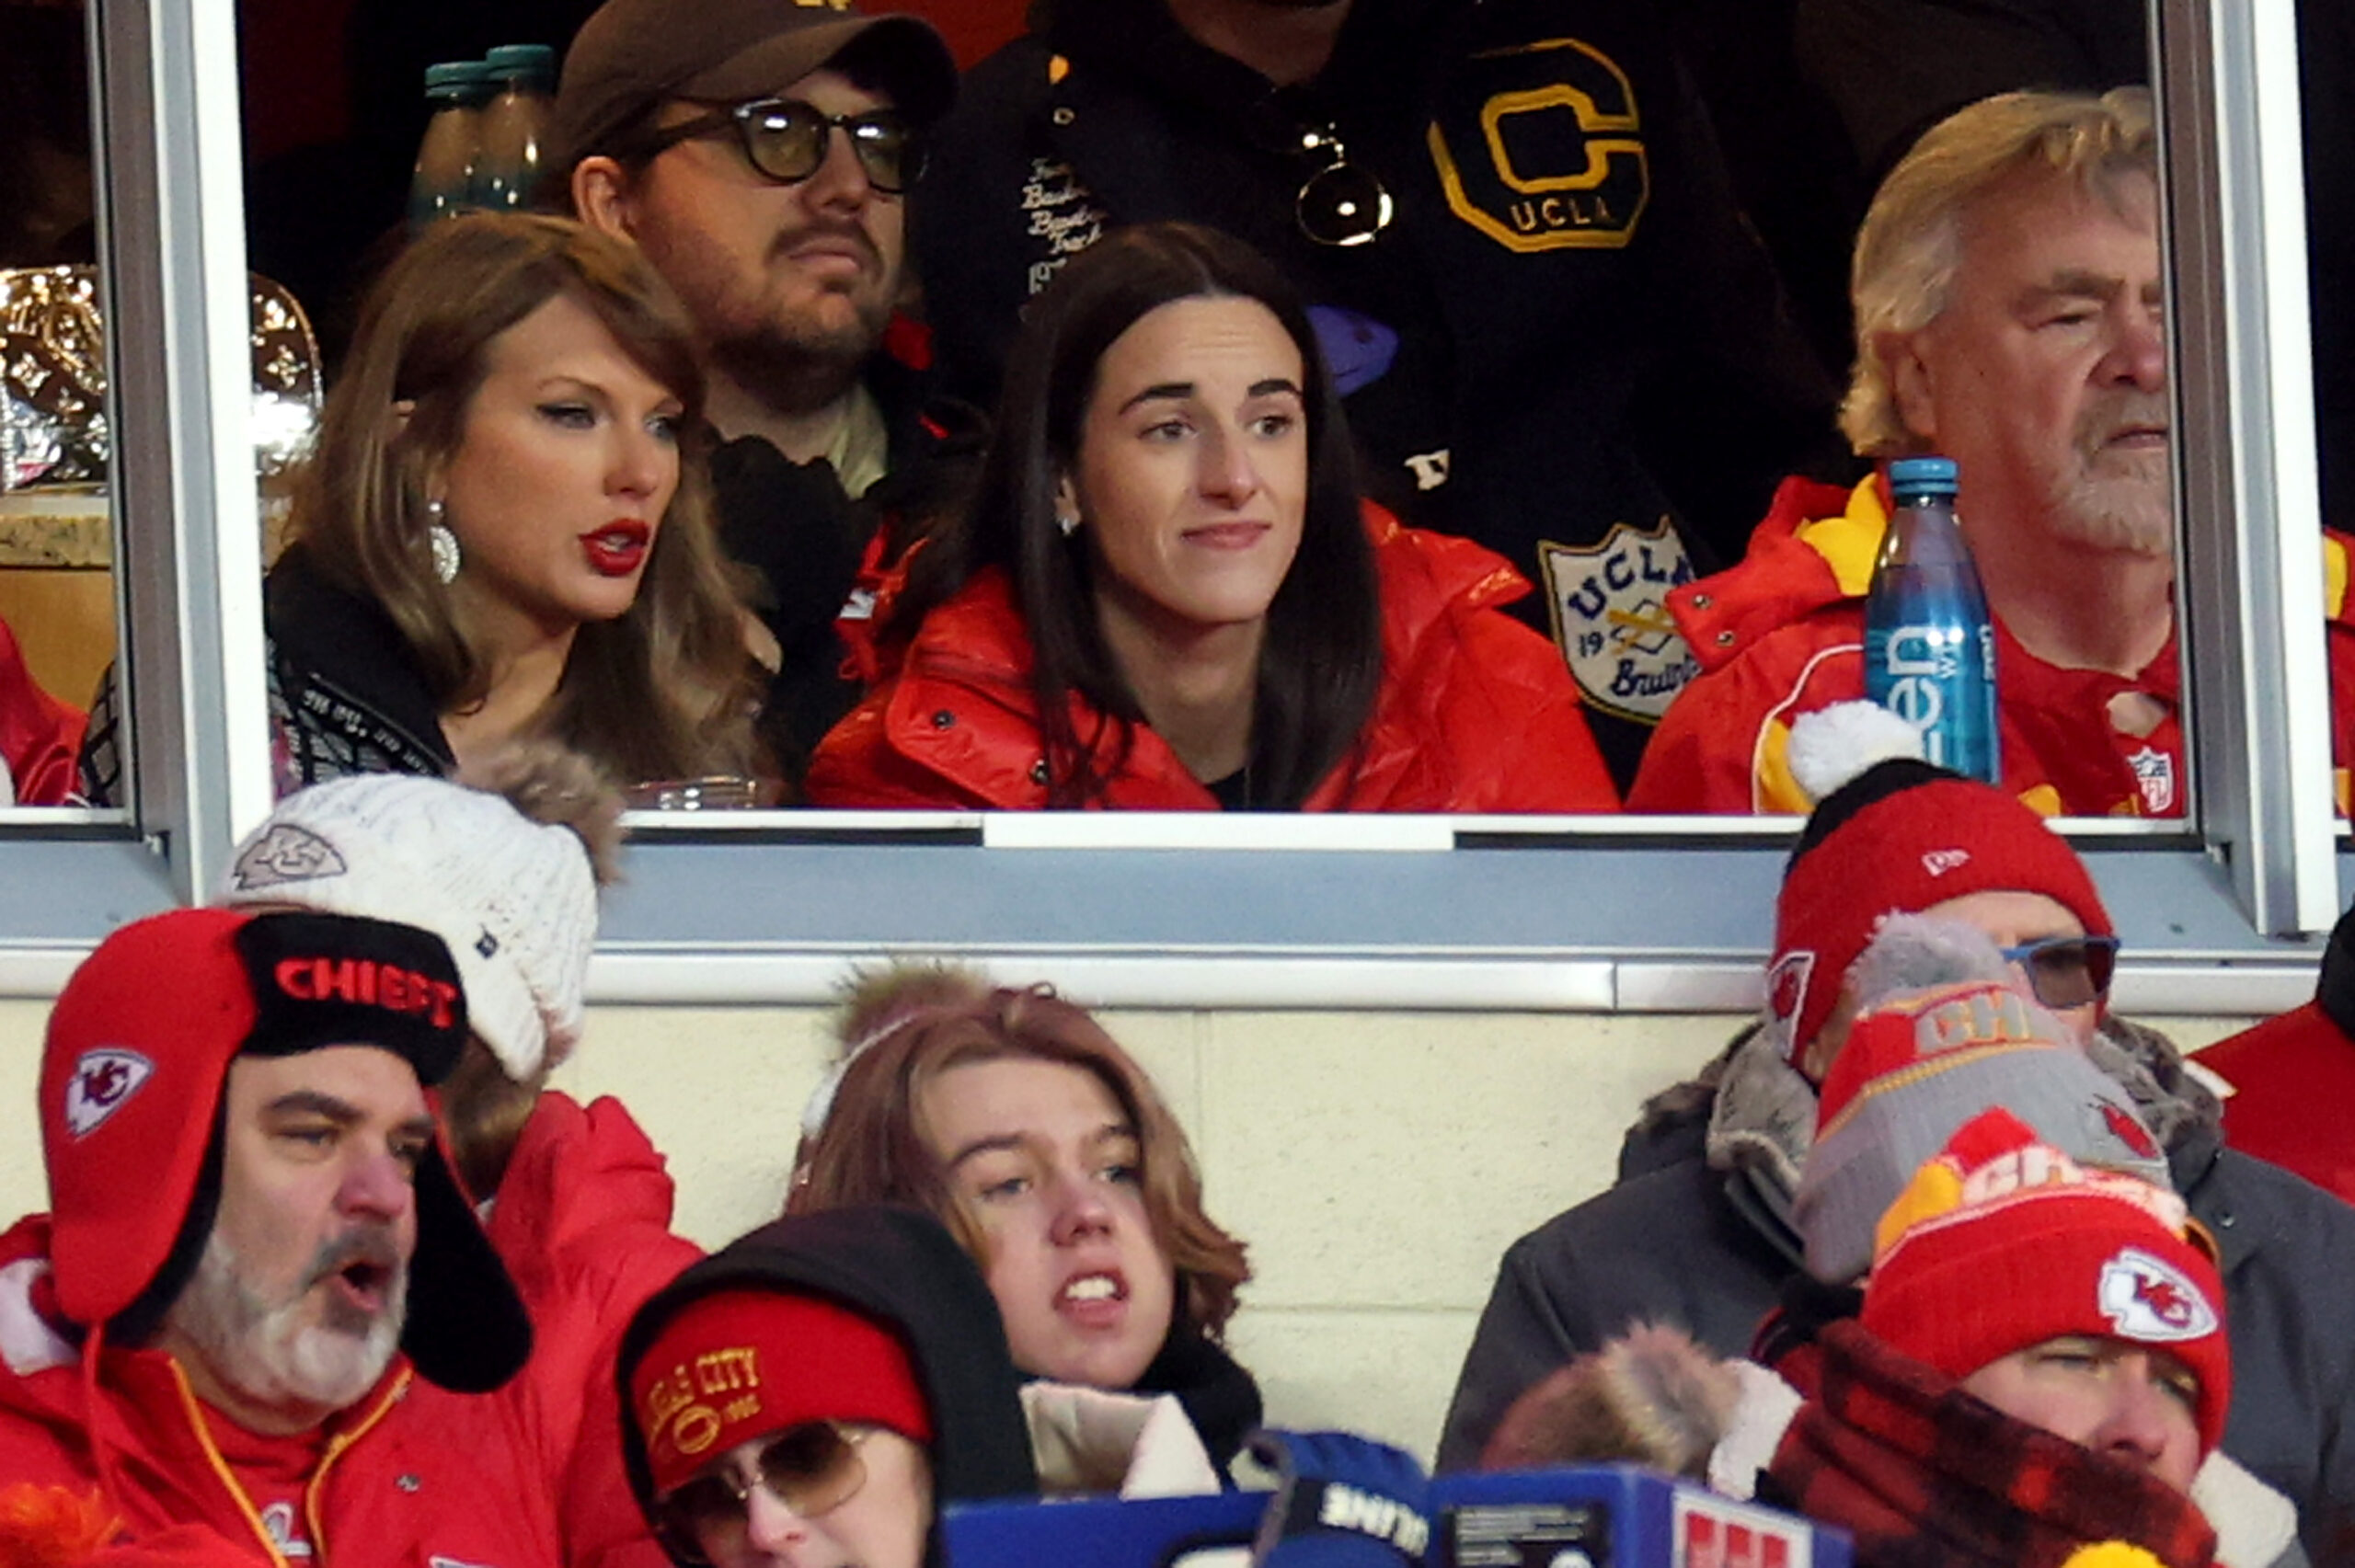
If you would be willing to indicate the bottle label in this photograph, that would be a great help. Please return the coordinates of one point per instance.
(1940, 679)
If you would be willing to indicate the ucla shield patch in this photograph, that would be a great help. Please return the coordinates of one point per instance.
(1609, 603)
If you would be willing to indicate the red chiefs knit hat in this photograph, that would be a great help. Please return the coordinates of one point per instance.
(1902, 836)
(134, 1071)
(2003, 1243)
(740, 1364)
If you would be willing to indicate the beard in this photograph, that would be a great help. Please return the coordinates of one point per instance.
(268, 1351)
(2118, 499)
(792, 355)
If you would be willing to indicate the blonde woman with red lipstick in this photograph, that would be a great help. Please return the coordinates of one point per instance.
(504, 531)
(1171, 596)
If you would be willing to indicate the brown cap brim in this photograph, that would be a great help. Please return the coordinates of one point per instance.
(633, 54)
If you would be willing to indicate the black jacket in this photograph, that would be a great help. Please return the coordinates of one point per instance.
(1697, 1233)
(897, 1267)
(804, 538)
(1606, 346)
(346, 695)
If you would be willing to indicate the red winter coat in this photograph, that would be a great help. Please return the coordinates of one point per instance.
(582, 1221)
(1782, 634)
(1476, 712)
(416, 1475)
(39, 736)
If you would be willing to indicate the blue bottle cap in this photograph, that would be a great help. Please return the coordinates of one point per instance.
(1922, 477)
(511, 60)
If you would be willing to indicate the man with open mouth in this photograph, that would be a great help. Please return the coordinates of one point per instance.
(260, 1302)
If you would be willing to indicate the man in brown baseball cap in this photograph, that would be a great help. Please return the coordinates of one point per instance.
(762, 153)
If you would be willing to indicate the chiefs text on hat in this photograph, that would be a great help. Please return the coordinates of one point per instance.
(369, 983)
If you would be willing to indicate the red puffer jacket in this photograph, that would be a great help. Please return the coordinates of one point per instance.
(582, 1222)
(38, 735)
(1782, 634)
(1477, 712)
(412, 1475)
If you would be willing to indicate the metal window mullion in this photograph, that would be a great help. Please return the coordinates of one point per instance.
(172, 218)
(2252, 587)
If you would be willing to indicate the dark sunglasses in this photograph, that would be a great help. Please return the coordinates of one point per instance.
(786, 139)
(1340, 204)
(812, 1469)
(2067, 971)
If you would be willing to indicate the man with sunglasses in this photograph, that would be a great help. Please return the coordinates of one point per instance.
(1699, 1231)
(762, 153)
(814, 1393)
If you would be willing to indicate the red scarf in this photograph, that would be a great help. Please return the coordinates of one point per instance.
(1925, 1475)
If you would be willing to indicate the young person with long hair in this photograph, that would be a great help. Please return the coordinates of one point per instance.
(1171, 595)
(504, 533)
(1016, 1120)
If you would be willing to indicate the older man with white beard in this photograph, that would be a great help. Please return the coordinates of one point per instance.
(253, 1320)
(2010, 315)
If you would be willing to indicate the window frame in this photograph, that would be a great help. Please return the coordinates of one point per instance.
(1615, 914)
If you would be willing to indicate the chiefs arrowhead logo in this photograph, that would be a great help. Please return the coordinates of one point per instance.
(2147, 1300)
(285, 853)
(1786, 987)
(103, 1082)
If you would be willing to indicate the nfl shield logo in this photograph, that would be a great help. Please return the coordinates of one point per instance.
(2155, 774)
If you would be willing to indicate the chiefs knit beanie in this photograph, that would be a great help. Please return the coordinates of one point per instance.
(513, 895)
(133, 1073)
(740, 1364)
(1925, 1058)
(1900, 836)
(2003, 1243)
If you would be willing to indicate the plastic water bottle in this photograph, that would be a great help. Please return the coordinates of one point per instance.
(443, 185)
(1929, 646)
(514, 123)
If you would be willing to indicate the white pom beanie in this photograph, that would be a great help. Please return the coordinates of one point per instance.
(515, 899)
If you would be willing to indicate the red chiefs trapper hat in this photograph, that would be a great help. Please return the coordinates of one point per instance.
(138, 1052)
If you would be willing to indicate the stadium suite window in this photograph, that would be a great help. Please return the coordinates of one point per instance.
(1664, 913)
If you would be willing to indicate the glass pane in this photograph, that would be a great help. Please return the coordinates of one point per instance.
(57, 600)
(1758, 151)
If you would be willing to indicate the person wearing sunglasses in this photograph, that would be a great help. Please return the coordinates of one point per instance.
(814, 1393)
(763, 156)
(1700, 1231)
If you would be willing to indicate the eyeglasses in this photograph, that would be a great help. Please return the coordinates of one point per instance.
(2067, 971)
(1340, 204)
(811, 1468)
(786, 139)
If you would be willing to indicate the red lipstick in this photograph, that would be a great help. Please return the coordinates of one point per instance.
(618, 549)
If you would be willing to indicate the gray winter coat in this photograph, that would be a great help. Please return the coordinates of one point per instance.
(1697, 1233)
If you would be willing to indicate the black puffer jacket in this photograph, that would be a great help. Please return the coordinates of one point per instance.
(897, 1267)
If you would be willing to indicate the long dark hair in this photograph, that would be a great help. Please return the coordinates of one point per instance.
(1320, 665)
(662, 692)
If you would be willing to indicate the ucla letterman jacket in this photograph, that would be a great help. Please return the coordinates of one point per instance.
(1567, 344)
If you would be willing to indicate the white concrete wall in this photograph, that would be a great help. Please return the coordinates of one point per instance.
(1377, 1162)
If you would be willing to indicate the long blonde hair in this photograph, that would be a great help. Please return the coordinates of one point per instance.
(663, 690)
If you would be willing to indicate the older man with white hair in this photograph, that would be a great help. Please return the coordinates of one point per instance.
(2010, 315)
